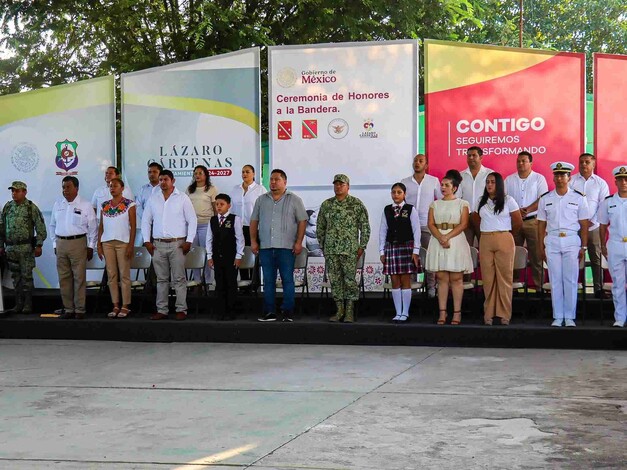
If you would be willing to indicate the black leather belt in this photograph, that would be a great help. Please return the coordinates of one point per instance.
(72, 237)
(531, 217)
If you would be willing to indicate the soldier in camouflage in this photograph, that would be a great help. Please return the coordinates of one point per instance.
(343, 233)
(22, 234)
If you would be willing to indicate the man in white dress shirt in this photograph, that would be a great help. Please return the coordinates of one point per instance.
(73, 225)
(613, 212)
(148, 189)
(595, 189)
(562, 237)
(526, 186)
(422, 190)
(103, 194)
(145, 193)
(170, 218)
(472, 187)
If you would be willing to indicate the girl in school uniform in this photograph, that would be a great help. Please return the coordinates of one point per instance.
(399, 247)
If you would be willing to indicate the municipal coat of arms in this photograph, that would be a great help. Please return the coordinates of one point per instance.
(66, 158)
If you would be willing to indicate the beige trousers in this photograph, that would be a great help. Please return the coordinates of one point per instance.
(118, 270)
(496, 254)
(71, 267)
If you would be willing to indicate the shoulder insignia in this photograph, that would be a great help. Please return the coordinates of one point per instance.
(545, 194)
(607, 197)
(580, 193)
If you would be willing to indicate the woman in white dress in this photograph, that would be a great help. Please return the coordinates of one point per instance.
(448, 253)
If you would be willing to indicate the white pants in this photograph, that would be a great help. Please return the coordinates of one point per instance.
(617, 259)
(562, 255)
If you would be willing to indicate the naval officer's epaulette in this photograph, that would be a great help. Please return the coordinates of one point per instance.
(545, 194)
(580, 193)
(607, 197)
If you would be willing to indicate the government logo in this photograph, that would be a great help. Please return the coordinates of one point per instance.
(287, 77)
(25, 157)
(338, 128)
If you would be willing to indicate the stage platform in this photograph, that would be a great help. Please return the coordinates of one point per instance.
(529, 328)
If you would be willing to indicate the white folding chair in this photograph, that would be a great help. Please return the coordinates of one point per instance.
(196, 259)
(141, 265)
(247, 263)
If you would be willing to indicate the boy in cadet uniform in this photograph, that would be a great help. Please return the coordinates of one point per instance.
(613, 211)
(225, 248)
(23, 231)
(562, 238)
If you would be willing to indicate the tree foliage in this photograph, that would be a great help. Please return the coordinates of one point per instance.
(49, 42)
(52, 42)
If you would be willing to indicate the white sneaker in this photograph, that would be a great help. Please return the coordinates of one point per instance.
(431, 292)
(619, 324)
(570, 323)
(557, 323)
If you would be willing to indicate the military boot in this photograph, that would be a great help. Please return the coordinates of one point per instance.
(28, 301)
(350, 312)
(339, 315)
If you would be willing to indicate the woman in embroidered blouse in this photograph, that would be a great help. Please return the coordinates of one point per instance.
(116, 234)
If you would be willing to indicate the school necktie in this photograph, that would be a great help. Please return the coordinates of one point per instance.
(397, 211)
(221, 220)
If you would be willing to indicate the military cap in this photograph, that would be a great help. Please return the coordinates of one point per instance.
(341, 178)
(620, 171)
(17, 185)
(562, 167)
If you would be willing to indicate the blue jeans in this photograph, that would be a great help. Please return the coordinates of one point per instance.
(281, 259)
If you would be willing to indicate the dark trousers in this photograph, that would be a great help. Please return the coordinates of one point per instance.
(226, 286)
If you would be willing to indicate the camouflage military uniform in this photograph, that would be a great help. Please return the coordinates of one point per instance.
(343, 228)
(19, 224)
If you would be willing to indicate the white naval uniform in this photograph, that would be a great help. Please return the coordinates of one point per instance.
(562, 244)
(613, 211)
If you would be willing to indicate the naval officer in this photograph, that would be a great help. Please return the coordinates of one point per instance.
(563, 237)
(613, 211)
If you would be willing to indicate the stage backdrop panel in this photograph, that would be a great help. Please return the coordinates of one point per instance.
(343, 108)
(610, 114)
(504, 100)
(203, 112)
(53, 132)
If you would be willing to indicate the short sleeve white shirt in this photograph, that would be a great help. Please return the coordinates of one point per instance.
(471, 188)
(115, 221)
(526, 191)
(595, 189)
(501, 222)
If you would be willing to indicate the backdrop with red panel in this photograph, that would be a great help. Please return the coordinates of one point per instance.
(610, 114)
(503, 100)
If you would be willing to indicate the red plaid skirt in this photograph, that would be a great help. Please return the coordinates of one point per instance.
(398, 258)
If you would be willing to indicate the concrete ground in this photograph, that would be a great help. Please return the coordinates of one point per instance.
(83, 405)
